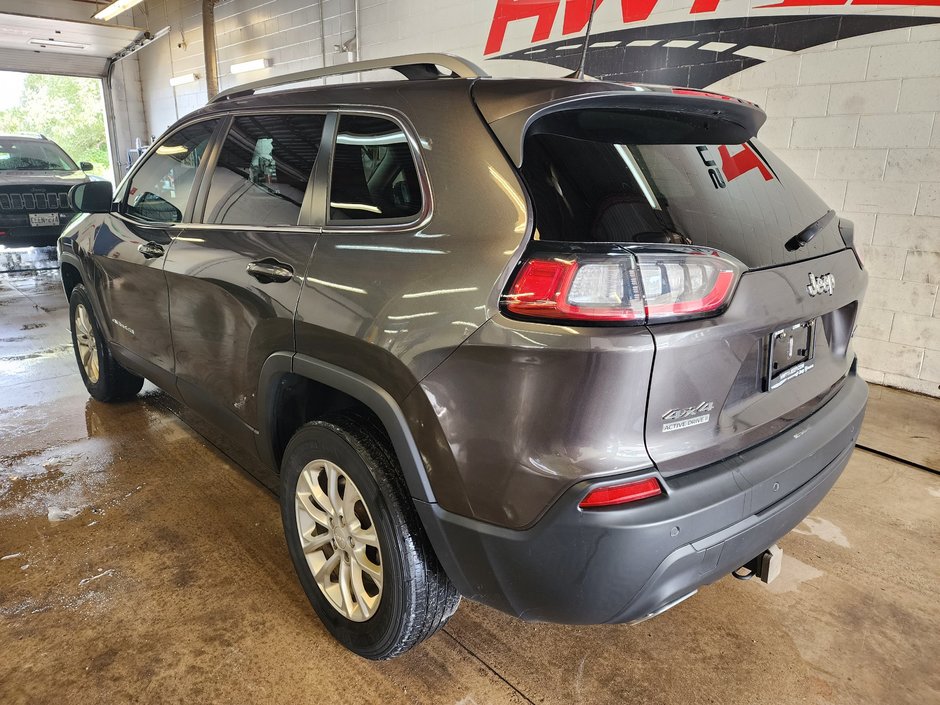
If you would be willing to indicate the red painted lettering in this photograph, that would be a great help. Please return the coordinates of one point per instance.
(575, 20)
(742, 162)
(577, 13)
(512, 10)
(704, 6)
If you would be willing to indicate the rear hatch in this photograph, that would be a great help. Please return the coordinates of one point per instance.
(682, 172)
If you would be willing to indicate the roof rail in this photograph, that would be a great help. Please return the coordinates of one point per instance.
(411, 66)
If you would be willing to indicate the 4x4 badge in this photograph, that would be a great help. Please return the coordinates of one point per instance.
(825, 284)
(702, 408)
(676, 419)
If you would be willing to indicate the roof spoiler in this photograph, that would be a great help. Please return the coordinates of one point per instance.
(718, 119)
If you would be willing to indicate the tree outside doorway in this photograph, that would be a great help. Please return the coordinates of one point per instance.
(66, 109)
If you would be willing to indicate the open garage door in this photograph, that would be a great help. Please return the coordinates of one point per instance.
(64, 47)
(57, 62)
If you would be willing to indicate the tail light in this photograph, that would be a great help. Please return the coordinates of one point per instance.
(631, 287)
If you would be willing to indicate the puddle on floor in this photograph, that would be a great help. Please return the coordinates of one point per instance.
(822, 529)
(67, 478)
(793, 574)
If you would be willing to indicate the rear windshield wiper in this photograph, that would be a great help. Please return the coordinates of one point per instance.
(803, 238)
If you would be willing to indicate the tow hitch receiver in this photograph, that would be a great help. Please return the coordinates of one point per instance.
(766, 566)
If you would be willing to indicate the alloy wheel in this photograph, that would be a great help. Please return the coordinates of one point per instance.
(339, 540)
(87, 343)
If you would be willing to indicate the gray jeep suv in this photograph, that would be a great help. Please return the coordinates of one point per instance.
(35, 178)
(571, 349)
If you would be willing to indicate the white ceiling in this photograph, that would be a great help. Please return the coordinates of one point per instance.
(99, 41)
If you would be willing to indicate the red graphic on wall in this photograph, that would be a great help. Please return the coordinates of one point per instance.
(733, 165)
(577, 12)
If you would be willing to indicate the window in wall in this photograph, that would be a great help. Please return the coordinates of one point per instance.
(263, 169)
(159, 190)
(374, 175)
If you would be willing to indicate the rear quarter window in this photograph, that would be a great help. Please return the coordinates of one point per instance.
(373, 175)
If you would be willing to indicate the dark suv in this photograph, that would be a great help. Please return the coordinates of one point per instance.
(35, 178)
(572, 349)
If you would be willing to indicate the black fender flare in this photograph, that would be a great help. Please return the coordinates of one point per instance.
(379, 401)
(70, 258)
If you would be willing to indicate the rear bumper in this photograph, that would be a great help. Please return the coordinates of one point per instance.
(21, 235)
(623, 564)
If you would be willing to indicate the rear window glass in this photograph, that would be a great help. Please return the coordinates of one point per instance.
(374, 175)
(736, 198)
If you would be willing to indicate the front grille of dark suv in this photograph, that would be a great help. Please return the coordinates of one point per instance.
(37, 201)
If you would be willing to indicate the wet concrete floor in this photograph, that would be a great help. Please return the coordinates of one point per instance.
(140, 564)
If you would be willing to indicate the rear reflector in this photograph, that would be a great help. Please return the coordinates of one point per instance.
(621, 494)
(637, 286)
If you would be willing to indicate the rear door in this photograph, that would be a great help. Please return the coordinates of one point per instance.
(131, 245)
(235, 274)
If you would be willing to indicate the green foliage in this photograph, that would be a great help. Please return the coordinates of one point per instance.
(68, 111)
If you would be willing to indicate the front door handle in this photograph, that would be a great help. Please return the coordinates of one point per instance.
(151, 250)
(270, 270)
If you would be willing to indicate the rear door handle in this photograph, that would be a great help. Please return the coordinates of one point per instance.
(269, 270)
(151, 250)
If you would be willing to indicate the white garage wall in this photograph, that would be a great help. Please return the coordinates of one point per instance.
(177, 54)
(857, 118)
(288, 32)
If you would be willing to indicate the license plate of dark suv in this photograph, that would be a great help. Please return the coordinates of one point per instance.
(37, 220)
(791, 352)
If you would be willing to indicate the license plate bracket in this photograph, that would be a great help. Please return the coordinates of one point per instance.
(38, 220)
(791, 353)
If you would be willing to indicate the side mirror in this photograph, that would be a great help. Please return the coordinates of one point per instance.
(86, 166)
(91, 197)
(154, 208)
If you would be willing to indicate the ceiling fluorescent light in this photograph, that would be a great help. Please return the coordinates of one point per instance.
(251, 65)
(46, 43)
(183, 80)
(115, 9)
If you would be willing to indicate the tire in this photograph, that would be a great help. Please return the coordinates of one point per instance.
(415, 598)
(103, 376)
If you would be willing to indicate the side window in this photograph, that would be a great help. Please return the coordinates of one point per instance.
(263, 169)
(159, 190)
(374, 175)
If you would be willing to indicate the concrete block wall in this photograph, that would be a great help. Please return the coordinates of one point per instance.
(287, 32)
(176, 54)
(397, 27)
